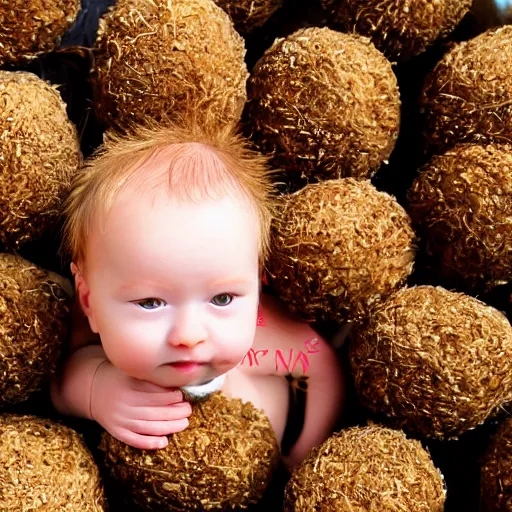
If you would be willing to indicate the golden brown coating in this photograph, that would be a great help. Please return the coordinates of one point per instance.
(364, 469)
(31, 27)
(467, 96)
(461, 204)
(223, 460)
(401, 29)
(435, 362)
(324, 105)
(46, 466)
(337, 247)
(34, 318)
(157, 59)
(40, 155)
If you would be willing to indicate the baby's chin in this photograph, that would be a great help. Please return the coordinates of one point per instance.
(173, 379)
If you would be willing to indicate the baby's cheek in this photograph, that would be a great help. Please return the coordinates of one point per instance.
(132, 356)
(234, 350)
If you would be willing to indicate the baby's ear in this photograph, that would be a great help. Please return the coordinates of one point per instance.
(77, 275)
(75, 270)
(83, 293)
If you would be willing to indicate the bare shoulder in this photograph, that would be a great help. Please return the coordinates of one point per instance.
(283, 343)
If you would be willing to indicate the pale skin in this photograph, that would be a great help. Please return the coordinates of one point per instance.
(168, 296)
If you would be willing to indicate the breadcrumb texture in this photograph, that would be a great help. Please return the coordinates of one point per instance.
(366, 469)
(461, 204)
(337, 247)
(401, 29)
(468, 95)
(434, 362)
(39, 157)
(158, 59)
(46, 466)
(34, 319)
(29, 28)
(223, 460)
(324, 105)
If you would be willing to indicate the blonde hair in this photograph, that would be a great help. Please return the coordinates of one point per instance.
(123, 157)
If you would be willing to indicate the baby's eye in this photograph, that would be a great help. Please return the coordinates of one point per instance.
(223, 299)
(150, 303)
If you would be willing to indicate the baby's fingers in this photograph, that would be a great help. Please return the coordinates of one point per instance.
(158, 399)
(148, 387)
(163, 413)
(140, 441)
(156, 428)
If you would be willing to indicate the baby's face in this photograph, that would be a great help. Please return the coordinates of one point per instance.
(172, 287)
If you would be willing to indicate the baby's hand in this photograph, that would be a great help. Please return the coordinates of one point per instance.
(137, 413)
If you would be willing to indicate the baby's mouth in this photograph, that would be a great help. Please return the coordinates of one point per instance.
(187, 366)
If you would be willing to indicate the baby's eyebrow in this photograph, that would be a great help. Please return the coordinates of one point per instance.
(232, 282)
(223, 283)
(135, 284)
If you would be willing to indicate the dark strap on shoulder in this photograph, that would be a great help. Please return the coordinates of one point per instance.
(298, 390)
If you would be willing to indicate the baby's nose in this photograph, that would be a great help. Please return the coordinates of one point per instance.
(186, 341)
(188, 330)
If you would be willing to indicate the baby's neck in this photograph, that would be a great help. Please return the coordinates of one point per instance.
(203, 390)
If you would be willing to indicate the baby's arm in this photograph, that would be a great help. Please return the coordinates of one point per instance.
(70, 391)
(135, 412)
(295, 348)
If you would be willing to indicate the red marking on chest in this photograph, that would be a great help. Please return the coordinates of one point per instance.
(260, 322)
(312, 346)
(252, 357)
(293, 360)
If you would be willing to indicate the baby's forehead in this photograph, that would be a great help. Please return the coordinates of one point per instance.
(155, 225)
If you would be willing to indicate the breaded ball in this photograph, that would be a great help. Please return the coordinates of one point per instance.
(31, 27)
(434, 362)
(324, 105)
(337, 247)
(46, 466)
(39, 156)
(461, 204)
(467, 96)
(366, 469)
(223, 460)
(34, 319)
(160, 60)
(401, 29)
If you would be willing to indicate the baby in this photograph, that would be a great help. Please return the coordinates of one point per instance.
(168, 230)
